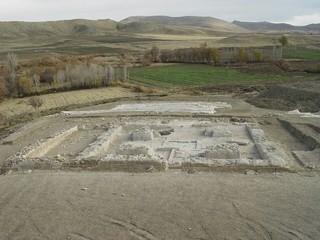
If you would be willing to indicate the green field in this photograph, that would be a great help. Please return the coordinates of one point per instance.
(188, 75)
(303, 54)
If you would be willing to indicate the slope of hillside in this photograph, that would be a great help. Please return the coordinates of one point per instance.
(278, 27)
(65, 27)
(186, 23)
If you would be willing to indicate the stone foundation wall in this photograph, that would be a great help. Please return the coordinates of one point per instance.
(49, 144)
(102, 143)
(223, 151)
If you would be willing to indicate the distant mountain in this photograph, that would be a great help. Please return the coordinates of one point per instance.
(54, 28)
(187, 24)
(276, 27)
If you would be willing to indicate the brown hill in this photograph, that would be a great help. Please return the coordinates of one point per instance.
(277, 27)
(178, 25)
(9, 30)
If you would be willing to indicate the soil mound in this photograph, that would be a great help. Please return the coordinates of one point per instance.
(287, 98)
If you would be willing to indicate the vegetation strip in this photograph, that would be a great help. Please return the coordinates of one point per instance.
(186, 75)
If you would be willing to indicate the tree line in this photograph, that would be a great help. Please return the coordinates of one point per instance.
(209, 55)
(15, 83)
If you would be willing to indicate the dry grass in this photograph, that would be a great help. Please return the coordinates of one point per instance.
(12, 107)
(180, 37)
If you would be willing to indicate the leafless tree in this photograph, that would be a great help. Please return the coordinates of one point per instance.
(35, 80)
(12, 61)
(155, 52)
(35, 102)
(109, 75)
(61, 77)
(3, 90)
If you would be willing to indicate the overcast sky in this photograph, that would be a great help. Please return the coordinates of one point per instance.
(296, 12)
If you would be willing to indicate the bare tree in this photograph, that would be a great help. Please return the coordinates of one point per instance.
(155, 53)
(12, 61)
(3, 90)
(109, 75)
(125, 73)
(204, 51)
(35, 102)
(61, 76)
(35, 81)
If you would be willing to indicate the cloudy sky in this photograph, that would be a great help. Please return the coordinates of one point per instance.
(296, 12)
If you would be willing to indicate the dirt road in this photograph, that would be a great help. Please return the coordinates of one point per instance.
(92, 206)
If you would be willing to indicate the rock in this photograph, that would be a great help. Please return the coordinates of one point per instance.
(271, 114)
(235, 119)
(223, 151)
(189, 229)
(150, 169)
(156, 134)
(84, 189)
(123, 195)
(142, 134)
(82, 127)
(240, 142)
(311, 167)
(165, 132)
(29, 171)
(249, 172)
(192, 171)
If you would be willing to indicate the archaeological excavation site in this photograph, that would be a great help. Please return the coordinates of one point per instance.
(160, 136)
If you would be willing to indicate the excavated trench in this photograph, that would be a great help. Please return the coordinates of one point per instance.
(308, 134)
(149, 142)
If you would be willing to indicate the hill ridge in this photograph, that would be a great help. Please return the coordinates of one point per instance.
(282, 27)
(157, 24)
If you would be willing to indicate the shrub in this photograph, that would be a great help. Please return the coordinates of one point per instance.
(283, 65)
(24, 86)
(216, 57)
(258, 56)
(242, 55)
(35, 102)
(47, 76)
(284, 41)
(3, 90)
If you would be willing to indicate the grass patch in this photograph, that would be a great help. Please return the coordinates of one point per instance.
(303, 54)
(189, 75)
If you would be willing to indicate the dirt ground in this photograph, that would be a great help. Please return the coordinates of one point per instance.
(174, 205)
(84, 205)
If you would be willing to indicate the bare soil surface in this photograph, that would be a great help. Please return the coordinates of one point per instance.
(90, 205)
(304, 96)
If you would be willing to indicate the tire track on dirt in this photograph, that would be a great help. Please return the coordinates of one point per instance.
(78, 236)
(135, 231)
(25, 201)
(13, 202)
(294, 233)
(12, 196)
(39, 193)
(254, 226)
